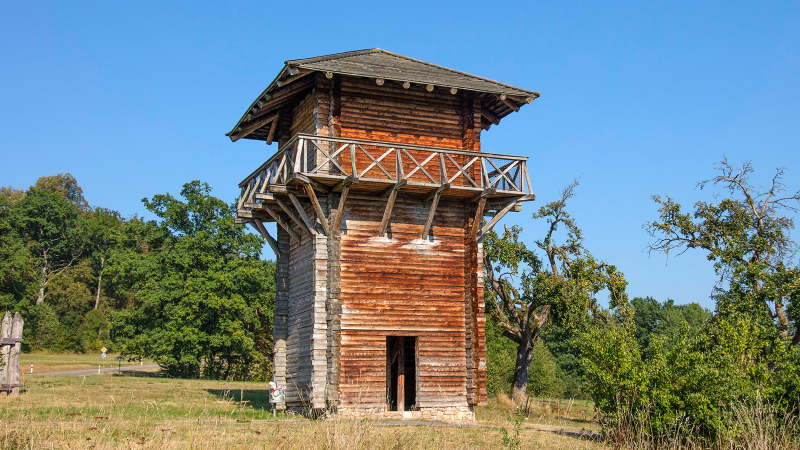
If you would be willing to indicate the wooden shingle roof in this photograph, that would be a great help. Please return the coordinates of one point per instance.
(498, 99)
(377, 63)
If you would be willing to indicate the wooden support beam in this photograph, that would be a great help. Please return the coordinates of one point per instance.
(490, 117)
(262, 230)
(429, 221)
(247, 129)
(272, 129)
(344, 183)
(437, 191)
(394, 188)
(508, 102)
(387, 213)
(338, 221)
(302, 211)
(476, 223)
(300, 224)
(314, 202)
(314, 183)
(299, 74)
(259, 196)
(488, 227)
(283, 223)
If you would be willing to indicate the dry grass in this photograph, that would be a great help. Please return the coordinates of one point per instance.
(551, 413)
(122, 412)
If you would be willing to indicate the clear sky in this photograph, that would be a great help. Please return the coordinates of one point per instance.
(638, 98)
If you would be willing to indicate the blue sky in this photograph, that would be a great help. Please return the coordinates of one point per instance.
(638, 98)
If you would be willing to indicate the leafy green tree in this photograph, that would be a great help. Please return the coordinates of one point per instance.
(102, 232)
(202, 299)
(747, 236)
(664, 320)
(66, 185)
(10, 196)
(51, 230)
(17, 268)
(563, 286)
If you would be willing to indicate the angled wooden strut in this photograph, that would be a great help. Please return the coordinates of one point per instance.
(302, 211)
(247, 129)
(476, 223)
(282, 223)
(484, 232)
(429, 222)
(338, 220)
(262, 230)
(387, 213)
(300, 223)
(317, 207)
(435, 196)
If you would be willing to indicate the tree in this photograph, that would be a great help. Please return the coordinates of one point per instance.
(665, 320)
(202, 299)
(746, 235)
(102, 229)
(66, 185)
(51, 229)
(562, 287)
(17, 268)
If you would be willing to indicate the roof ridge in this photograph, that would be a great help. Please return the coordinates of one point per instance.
(343, 55)
(333, 56)
(453, 70)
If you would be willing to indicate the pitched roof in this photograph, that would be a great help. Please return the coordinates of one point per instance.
(377, 63)
(293, 80)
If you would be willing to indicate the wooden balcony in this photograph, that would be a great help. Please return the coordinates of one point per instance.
(309, 163)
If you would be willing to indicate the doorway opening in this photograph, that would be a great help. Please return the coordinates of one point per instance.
(401, 372)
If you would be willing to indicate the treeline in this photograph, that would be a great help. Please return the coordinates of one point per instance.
(187, 289)
(556, 370)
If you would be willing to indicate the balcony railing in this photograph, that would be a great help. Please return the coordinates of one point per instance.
(373, 165)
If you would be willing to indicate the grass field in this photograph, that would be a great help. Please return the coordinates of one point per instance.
(130, 411)
(56, 362)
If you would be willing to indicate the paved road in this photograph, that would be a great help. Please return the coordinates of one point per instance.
(85, 372)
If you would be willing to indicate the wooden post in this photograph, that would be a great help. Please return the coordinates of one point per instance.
(401, 375)
(13, 369)
(5, 334)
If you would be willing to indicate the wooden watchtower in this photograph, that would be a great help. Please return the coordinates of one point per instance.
(378, 189)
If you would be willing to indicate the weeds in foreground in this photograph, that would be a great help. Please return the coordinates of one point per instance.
(512, 442)
(757, 426)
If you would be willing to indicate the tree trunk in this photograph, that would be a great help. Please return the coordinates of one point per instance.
(99, 279)
(519, 391)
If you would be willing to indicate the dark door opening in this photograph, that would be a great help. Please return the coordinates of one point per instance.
(401, 372)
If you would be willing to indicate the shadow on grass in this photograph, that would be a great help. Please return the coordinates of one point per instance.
(257, 398)
(139, 374)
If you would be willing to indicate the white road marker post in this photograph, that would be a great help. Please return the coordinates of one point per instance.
(31, 368)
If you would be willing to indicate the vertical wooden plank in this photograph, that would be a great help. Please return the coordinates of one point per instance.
(5, 333)
(16, 333)
(354, 173)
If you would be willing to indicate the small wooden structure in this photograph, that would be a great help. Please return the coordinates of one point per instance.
(10, 349)
(378, 188)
